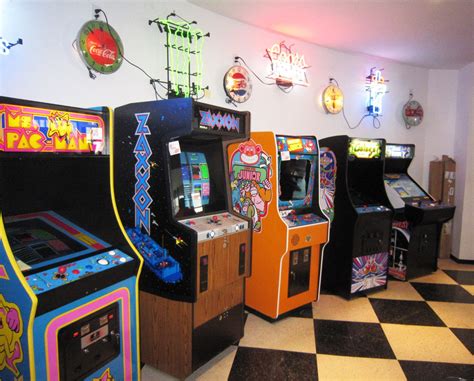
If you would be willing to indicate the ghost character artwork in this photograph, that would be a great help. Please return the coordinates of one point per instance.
(250, 171)
(11, 330)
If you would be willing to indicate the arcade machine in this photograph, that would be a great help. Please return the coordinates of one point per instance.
(173, 201)
(68, 279)
(418, 217)
(356, 257)
(274, 182)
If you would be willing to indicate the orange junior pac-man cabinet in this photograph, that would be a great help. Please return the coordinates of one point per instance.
(274, 181)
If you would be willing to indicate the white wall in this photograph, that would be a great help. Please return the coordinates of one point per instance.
(440, 117)
(463, 238)
(47, 68)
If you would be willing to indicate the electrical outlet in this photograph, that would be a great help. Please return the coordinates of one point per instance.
(94, 7)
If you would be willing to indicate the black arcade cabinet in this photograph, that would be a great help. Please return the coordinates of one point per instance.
(356, 257)
(418, 217)
(173, 199)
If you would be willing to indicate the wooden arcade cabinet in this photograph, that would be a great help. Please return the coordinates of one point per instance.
(173, 201)
(275, 183)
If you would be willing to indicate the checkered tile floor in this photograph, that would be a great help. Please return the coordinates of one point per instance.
(418, 330)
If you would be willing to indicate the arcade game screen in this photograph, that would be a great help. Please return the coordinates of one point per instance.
(294, 177)
(33, 241)
(404, 186)
(192, 188)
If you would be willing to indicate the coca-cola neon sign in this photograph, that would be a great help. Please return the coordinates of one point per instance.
(100, 47)
(97, 51)
(287, 68)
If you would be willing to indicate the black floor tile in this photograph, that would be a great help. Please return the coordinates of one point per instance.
(268, 364)
(443, 292)
(342, 338)
(466, 336)
(462, 277)
(420, 370)
(405, 312)
(305, 311)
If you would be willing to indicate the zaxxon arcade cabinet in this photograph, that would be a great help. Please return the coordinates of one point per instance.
(173, 200)
(68, 279)
(275, 182)
(356, 257)
(418, 217)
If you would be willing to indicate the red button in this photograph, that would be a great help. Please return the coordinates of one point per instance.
(75, 271)
(61, 269)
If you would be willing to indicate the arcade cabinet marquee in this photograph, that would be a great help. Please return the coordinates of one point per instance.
(173, 200)
(68, 297)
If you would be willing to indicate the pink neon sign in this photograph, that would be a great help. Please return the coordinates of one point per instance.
(287, 68)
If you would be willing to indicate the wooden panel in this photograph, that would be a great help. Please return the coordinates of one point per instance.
(166, 334)
(219, 263)
(223, 259)
(214, 302)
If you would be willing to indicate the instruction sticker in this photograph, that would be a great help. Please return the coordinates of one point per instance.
(197, 201)
(285, 155)
(174, 148)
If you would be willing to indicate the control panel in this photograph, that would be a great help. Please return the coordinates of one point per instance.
(371, 209)
(428, 204)
(216, 225)
(292, 219)
(54, 277)
(87, 344)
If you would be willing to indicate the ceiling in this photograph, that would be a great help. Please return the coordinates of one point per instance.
(437, 34)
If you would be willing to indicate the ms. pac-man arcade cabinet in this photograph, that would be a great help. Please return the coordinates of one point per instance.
(173, 200)
(275, 182)
(68, 279)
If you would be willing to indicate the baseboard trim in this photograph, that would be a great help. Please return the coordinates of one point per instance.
(462, 261)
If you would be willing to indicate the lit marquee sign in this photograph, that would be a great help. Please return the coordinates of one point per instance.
(217, 121)
(365, 149)
(376, 87)
(287, 68)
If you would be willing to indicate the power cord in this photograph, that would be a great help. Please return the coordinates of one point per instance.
(237, 59)
(375, 120)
